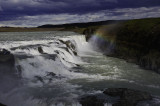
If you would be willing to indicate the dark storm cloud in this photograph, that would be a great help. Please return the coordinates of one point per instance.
(34, 7)
(113, 14)
(18, 9)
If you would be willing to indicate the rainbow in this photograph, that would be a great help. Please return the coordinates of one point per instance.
(101, 36)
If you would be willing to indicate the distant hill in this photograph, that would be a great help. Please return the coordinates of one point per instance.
(80, 25)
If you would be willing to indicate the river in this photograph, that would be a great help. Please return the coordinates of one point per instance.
(57, 68)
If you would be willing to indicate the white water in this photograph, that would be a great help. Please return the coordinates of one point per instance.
(40, 64)
(68, 80)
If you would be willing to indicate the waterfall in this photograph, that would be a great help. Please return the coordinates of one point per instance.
(58, 68)
(37, 58)
(46, 63)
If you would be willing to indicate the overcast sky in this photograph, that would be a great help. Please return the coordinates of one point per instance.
(39, 12)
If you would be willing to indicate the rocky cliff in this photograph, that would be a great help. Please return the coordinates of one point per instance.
(136, 41)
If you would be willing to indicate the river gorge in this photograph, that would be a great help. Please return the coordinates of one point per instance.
(57, 68)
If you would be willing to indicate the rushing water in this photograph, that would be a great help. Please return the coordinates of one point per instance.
(56, 68)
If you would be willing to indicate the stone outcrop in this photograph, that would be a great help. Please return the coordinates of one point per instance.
(2, 104)
(124, 97)
(7, 62)
(128, 97)
(69, 45)
(40, 50)
(91, 101)
(136, 41)
(6, 57)
(88, 33)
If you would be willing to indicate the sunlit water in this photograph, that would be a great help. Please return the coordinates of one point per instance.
(73, 76)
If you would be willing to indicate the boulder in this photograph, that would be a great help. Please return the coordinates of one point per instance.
(88, 33)
(40, 50)
(7, 62)
(70, 46)
(51, 74)
(127, 96)
(91, 100)
(2, 104)
(151, 61)
(122, 96)
(50, 56)
(6, 57)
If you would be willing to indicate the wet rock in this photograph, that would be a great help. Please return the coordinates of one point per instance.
(151, 61)
(9, 76)
(61, 41)
(88, 33)
(22, 56)
(6, 57)
(56, 51)
(50, 56)
(7, 62)
(27, 46)
(91, 101)
(39, 78)
(70, 46)
(65, 48)
(114, 91)
(75, 53)
(128, 97)
(40, 50)
(51, 74)
(2, 104)
(4, 52)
